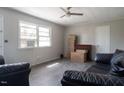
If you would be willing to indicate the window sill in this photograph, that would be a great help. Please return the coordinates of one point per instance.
(34, 47)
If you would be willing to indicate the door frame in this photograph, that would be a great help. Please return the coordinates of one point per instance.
(2, 33)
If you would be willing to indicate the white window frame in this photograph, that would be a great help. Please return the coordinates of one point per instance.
(37, 32)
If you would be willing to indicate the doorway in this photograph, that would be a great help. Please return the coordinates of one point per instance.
(103, 39)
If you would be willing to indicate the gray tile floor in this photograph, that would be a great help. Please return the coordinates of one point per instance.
(50, 73)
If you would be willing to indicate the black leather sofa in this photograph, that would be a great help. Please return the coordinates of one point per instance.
(107, 71)
(16, 74)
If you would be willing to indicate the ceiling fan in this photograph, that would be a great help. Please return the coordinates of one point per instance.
(68, 13)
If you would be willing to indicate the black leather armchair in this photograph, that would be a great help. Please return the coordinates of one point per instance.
(14, 74)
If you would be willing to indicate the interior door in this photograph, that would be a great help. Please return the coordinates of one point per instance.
(1, 36)
(103, 39)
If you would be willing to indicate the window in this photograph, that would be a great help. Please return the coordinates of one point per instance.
(32, 35)
(44, 36)
(28, 36)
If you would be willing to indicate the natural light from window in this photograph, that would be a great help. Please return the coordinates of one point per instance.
(32, 35)
(52, 65)
(44, 36)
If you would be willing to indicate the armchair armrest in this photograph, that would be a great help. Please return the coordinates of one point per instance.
(90, 79)
(2, 60)
(14, 74)
(103, 58)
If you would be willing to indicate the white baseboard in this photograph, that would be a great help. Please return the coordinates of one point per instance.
(47, 60)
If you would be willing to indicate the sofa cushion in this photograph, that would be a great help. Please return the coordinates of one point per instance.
(117, 65)
(89, 78)
(99, 68)
(103, 58)
(118, 51)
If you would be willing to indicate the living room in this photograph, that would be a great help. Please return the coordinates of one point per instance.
(43, 53)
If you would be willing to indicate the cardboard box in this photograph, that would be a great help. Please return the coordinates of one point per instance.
(81, 51)
(72, 37)
(71, 44)
(67, 55)
(78, 57)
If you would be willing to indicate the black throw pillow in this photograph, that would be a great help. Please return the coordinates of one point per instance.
(118, 51)
(117, 65)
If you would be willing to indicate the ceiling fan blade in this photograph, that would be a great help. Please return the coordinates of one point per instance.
(68, 8)
(62, 16)
(80, 14)
(63, 9)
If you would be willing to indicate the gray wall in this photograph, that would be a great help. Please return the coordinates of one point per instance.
(86, 34)
(117, 35)
(13, 54)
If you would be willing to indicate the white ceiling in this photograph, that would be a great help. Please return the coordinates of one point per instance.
(91, 14)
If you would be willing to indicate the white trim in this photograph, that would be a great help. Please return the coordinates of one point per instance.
(2, 34)
(18, 36)
(47, 60)
(51, 34)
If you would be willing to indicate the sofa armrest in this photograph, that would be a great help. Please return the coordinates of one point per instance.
(90, 79)
(14, 74)
(2, 60)
(103, 58)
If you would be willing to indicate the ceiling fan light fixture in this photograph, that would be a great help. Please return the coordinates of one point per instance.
(68, 13)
